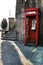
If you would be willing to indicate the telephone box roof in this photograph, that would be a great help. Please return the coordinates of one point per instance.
(31, 9)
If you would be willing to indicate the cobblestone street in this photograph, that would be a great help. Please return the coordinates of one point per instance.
(15, 53)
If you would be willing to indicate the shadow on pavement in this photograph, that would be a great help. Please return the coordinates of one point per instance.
(26, 50)
(34, 54)
(9, 54)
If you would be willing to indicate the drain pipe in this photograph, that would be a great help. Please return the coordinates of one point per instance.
(0, 33)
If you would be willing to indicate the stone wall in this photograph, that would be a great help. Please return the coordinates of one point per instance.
(20, 5)
(20, 18)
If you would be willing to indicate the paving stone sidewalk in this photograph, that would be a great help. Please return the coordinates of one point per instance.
(15, 53)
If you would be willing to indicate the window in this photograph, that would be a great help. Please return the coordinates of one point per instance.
(33, 24)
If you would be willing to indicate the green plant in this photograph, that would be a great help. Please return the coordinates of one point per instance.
(4, 23)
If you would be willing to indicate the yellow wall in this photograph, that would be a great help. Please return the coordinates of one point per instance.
(11, 23)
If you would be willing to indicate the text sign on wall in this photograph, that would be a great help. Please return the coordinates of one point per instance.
(31, 12)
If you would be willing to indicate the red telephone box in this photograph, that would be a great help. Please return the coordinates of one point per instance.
(31, 28)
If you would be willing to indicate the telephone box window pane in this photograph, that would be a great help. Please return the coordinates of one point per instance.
(33, 24)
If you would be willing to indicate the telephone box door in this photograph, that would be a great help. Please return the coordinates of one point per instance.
(31, 25)
(32, 31)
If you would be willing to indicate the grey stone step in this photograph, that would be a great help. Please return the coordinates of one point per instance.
(11, 33)
(8, 38)
(11, 36)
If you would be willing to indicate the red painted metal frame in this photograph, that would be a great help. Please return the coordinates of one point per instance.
(37, 23)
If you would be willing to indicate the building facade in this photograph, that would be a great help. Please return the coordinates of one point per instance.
(20, 18)
(11, 23)
(20, 6)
